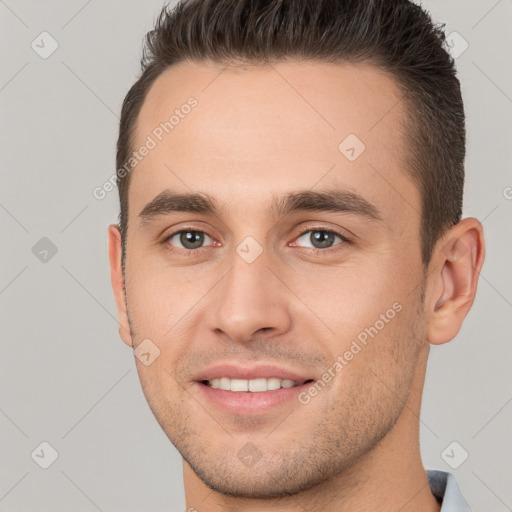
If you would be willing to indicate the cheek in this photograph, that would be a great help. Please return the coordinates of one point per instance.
(378, 360)
(350, 297)
(161, 306)
(158, 298)
(370, 311)
(161, 391)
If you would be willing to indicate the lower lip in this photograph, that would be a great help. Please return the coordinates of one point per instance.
(247, 403)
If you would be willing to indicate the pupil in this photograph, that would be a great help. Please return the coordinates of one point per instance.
(322, 239)
(192, 239)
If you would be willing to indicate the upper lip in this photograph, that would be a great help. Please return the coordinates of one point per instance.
(245, 372)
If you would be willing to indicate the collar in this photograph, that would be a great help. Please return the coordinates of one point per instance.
(444, 487)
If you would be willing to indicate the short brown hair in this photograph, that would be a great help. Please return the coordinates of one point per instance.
(397, 36)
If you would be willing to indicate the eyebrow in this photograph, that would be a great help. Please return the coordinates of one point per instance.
(332, 200)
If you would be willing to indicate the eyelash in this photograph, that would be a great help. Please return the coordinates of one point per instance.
(312, 250)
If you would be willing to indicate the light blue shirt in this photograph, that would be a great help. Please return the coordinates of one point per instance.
(444, 487)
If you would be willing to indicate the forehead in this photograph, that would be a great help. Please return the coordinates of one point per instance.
(285, 126)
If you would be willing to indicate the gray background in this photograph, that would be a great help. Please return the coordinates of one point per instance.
(66, 377)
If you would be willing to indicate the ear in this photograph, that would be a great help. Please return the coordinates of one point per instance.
(116, 278)
(456, 263)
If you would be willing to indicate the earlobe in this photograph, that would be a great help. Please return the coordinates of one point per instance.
(457, 260)
(116, 278)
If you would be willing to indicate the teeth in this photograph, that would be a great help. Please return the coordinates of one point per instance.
(257, 385)
(239, 385)
(273, 383)
(253, 385)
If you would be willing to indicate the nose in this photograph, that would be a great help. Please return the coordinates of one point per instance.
(249, 301)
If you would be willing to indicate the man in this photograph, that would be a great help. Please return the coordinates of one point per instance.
(290, 244)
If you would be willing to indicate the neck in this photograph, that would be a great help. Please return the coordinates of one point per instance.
(389, 478)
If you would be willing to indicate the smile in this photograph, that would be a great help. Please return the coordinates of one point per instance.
(253, 385)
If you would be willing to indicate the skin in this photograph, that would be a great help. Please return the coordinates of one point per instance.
(264, 131)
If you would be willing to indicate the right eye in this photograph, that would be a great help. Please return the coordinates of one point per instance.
(188, 239)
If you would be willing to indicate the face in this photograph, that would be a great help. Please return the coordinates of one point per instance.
(298, 265)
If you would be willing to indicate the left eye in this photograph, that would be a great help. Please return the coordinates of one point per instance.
(320, 238)
(189, 239)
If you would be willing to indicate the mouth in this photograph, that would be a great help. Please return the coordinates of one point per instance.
(251, 391)
(259, 385)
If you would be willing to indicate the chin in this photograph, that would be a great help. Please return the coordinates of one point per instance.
(228, 478)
